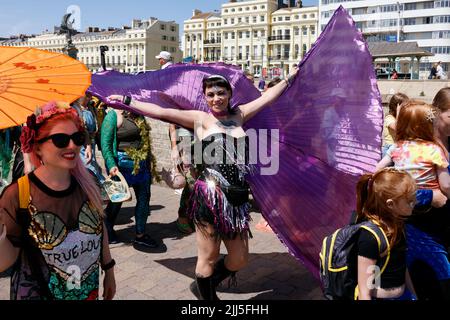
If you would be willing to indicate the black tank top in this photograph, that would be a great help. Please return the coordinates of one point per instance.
(128, 135)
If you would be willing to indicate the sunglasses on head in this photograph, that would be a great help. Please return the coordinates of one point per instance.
(62, 140)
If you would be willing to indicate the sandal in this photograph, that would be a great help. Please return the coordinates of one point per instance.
(184, 228)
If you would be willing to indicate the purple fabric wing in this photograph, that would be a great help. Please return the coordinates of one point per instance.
(179, 86)
(330, 124)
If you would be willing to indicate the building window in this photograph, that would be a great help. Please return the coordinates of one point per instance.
(262, 18)
(247, 19)
(173, 28)
(239, 20)
(225, 21)
(226, 35)
(296, 31)
(304, 31)
(164, 38)
(172, 49)
(240, 9)
(263, 7)
(240, 34)
(410, 6)
(226, 10)
(163, 27)
(305, 49)
(254, 19)
(232, 21)
(280, 18)
(287, 18)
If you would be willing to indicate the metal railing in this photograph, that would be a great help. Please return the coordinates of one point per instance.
(212, 41)
(278, 38)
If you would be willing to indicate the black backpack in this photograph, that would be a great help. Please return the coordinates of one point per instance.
(338, 260)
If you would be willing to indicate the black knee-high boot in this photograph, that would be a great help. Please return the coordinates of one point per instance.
(221, 272)
(204, 289)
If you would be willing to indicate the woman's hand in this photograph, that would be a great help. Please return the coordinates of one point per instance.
(439, 199)
(293, 72)
(175, 155)
(117, 102)
(109, 285)
(115, 98)
(88, 154)
(113, 172)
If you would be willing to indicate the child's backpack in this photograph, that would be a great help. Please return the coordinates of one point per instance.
(338, 260)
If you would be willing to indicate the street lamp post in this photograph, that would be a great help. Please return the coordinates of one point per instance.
(397, 63)
(103, 49)
(398, 22)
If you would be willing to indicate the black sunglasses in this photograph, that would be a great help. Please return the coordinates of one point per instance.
(62, 140)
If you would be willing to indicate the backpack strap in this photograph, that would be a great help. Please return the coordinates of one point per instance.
(383, 245)
(382, 240)
(24, 192)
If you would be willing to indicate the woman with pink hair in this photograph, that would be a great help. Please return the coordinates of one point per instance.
(56, 242)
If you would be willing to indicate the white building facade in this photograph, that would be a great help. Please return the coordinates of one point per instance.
(259, 35)
(426, 22)
(131, 49)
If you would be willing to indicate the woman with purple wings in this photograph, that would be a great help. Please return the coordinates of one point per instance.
(319, 162)
(219, 205)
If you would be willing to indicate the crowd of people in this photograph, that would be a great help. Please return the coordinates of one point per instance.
(53, 215)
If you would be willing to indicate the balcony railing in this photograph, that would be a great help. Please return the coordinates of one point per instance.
(278, 38)
(212, 41)
(280, 57)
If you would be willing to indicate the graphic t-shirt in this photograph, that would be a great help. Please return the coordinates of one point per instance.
(64, 255)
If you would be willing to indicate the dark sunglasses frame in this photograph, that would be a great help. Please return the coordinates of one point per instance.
(62, 140)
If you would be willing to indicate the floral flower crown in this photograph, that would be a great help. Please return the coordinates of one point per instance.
(35, 121)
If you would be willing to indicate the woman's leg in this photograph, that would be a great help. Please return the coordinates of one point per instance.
(238, 252)
(142, 210)
(208, 246)
(141, 214)
(111, 212)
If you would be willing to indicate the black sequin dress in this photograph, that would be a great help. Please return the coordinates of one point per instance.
(221, 193)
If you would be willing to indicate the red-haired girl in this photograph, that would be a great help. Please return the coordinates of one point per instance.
(419, 152)
(386, 198)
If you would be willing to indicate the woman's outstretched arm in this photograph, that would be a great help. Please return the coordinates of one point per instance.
(185, 118)
(250, 109)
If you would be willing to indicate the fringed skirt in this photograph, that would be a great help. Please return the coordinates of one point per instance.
(227, 209)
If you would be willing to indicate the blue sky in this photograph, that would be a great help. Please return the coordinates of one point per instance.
(27, 16)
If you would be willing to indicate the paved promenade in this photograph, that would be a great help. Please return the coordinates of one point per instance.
(165, 273)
